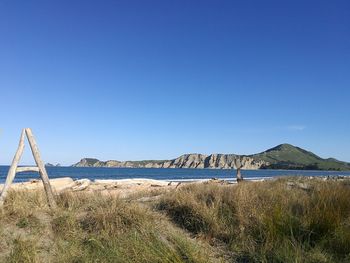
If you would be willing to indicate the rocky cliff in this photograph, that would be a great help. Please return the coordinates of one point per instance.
(219, 161)
(284, 156)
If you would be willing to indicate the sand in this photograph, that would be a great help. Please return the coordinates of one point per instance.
(122, 187)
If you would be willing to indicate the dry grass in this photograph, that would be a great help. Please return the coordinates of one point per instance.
(275, 221)
(268, 221)
(89, 228)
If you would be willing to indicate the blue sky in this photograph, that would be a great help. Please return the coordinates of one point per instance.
(133, 80)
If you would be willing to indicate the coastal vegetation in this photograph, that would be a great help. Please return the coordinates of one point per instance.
(283, 220)
(90, 228)
(287, 220)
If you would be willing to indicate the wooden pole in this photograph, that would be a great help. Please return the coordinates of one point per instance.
(12, 171)
(41, 166)
(238, 165)
(239, 175)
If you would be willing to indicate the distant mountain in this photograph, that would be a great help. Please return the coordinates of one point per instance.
(284, 156)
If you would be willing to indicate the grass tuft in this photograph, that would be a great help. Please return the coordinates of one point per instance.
(287, 220)
(90, 228)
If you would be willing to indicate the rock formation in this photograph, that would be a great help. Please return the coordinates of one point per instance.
(218, 161)
(284, 156)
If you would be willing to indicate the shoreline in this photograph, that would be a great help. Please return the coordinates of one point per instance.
(119, 187)
(190, 168)
(126, 187)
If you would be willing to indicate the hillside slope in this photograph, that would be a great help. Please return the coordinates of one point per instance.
(284, 156)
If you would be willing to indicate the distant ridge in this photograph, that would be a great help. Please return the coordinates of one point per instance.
(283, 156)
(287, 156)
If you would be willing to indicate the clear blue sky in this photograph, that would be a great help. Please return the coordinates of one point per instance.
(156, 79)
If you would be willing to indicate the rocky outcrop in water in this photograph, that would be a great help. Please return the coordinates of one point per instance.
(52, 165)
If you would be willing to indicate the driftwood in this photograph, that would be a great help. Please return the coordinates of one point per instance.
(81, 185)
(27, 169)
(12, 171)
(40, 168)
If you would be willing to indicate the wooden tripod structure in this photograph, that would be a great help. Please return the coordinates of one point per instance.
(40, 168)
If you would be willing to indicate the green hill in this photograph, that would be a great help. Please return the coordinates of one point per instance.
(286, 156)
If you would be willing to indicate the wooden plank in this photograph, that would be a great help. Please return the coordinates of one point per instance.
(41, 166)
(12, 171)
(27, 169)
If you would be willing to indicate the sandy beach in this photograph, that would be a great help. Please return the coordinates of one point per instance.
(120, 187)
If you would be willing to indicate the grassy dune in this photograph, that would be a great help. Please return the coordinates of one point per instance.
(289, 220)
(90, 228)
(303, 221)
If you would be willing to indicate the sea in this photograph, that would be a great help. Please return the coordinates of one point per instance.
(170, 174)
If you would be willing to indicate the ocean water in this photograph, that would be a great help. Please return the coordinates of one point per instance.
(93, 173)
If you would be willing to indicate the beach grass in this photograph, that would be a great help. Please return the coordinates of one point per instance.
(287, 220)
(283, 220)
(89, 228)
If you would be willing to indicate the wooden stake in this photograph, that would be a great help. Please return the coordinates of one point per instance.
(239, 175)
(12, 171)
(238, 165)
(41, 166)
